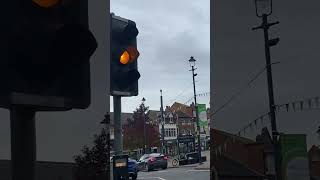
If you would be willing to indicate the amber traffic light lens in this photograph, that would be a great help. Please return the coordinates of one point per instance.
(129, 55)
(46, 3)
(125, 57)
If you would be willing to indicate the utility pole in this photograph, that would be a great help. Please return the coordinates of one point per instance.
(118, 139)
(162, 124)
(275, 134)
(192, 64)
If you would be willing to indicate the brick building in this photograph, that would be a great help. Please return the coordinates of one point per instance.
(240, 158)
(314, 162)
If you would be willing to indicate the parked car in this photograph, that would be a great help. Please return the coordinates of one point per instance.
(153, 161)
(133, 168)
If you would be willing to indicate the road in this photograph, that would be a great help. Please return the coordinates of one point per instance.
(181, 173)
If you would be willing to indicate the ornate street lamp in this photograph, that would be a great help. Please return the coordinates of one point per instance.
(263, 7)
(192, 62)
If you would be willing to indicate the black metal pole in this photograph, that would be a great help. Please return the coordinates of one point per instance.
(197, 115)
(23, 143)
(162, 125)
(118, 139)
(145, 133)
(271, 98)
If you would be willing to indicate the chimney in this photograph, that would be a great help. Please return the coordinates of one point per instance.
(167, 108)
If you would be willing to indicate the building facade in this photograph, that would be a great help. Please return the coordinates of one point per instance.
(170, 133)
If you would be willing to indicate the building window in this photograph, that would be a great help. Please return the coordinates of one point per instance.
(166, 134)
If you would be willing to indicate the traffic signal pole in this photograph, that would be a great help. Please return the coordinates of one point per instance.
(118, 139)
(23, 143)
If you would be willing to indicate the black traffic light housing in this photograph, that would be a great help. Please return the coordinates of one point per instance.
(46, 47)
(124, 72)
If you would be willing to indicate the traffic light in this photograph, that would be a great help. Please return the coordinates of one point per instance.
(124, 72)
(45, 51)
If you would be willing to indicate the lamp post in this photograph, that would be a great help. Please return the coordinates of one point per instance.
(144, 128)
(263, 10)
(192, 62)
(162, 124)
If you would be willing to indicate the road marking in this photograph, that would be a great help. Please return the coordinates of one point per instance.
(160, 171)
(151, 178)
(202, 170)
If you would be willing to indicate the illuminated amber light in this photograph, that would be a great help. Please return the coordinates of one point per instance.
(125, 57)
(46, 3)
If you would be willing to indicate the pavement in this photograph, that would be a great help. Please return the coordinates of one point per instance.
(181, 173)
(205, 165)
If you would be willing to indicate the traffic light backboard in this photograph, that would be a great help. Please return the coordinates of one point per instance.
(46, 47)
(124, 72)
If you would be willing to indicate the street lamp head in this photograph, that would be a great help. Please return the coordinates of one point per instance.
(192, 61)
(263, 7)
(143, 99)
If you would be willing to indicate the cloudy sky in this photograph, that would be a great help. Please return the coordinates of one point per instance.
(169, 33)
(238, 56)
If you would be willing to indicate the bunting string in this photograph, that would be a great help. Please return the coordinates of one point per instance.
(303, 105)
(295, 106)
(198, 95)
(241, 133)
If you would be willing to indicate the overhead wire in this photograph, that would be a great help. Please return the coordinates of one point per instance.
(234, 96)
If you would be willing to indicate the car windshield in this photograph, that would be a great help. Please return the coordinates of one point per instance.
(144, 157)
(156, 155)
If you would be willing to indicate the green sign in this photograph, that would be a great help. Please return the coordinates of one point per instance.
(295, 164)
(202, 110)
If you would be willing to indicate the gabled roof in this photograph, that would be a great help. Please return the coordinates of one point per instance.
(153, 114)
(314, 153)
(315, 148)
(181, 114)
(182, 107)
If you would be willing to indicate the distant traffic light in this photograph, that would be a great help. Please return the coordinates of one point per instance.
(124, 74)
(46, 47)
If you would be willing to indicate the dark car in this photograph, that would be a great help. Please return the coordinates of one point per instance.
(133, 168)
(153, 161)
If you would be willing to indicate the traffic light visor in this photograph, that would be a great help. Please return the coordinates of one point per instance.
(46, 3)
(129, 55)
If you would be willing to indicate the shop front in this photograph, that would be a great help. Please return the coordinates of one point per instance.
(171, 147)
(186, 144)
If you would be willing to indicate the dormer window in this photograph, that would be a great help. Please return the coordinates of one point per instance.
(171, 118)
